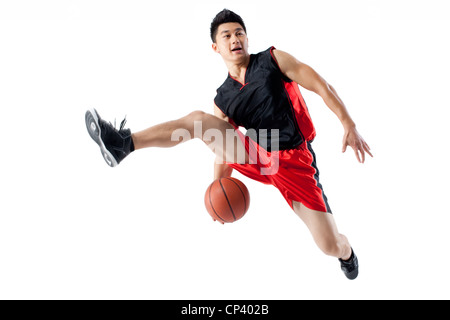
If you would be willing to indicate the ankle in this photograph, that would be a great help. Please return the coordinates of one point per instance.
(348, 255)
(132, 147)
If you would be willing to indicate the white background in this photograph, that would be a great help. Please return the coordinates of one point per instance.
(73, 228)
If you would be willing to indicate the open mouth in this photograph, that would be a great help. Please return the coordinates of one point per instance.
(236, 49)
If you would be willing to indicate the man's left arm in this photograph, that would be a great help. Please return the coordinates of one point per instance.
(309, 79)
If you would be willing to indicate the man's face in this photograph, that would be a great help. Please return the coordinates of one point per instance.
(231, 42)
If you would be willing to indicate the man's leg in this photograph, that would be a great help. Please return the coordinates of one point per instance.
(328, 239)
(324, 231)
(218, 134)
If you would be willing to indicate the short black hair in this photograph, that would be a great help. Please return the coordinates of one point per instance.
(225, 16)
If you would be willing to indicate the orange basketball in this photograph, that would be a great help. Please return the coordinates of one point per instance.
(227, 200)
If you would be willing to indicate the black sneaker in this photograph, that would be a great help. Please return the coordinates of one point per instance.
(350, 267)
(114, 144)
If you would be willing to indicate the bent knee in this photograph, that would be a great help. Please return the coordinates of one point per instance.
(199, 121)
(197, 115)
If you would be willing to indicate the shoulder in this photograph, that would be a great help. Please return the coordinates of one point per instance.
(223, 93)
(272, 59)
(265, 56)
(282, 58)
(225, 86)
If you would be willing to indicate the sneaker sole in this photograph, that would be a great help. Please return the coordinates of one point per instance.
(93, 127)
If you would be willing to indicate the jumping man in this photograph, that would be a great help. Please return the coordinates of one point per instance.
(261, 94)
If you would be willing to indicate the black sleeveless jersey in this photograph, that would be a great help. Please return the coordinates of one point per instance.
(267, 100)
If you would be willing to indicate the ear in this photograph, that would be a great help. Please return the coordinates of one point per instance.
(215, 47)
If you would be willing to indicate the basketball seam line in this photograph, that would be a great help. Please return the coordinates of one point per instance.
(229, 204)
(210, 202)
(243, 195)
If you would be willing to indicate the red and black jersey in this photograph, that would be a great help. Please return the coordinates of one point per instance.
(267, 100)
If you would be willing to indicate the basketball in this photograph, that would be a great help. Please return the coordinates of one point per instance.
(227, 200)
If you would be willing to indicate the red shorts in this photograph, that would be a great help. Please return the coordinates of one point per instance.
(294, 172)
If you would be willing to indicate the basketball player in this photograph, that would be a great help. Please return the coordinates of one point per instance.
(261, 93)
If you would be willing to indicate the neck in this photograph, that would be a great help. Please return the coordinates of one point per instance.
(237, 69)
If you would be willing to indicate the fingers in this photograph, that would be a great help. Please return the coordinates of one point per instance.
(357, 154)
(363, 154)
(362, 149)
(357, 149)
(359, 146)
(344, 143)
(367, 148)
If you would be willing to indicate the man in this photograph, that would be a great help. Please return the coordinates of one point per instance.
(261, 94)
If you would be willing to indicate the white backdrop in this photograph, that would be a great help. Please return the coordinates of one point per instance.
(73, 228)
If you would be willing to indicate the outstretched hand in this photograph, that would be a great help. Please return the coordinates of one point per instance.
(353, 139)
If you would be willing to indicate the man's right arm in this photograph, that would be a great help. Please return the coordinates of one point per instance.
(221, 169)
